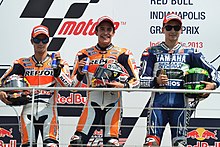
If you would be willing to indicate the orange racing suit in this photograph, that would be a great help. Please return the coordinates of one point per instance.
(45, 107)
(103, 106)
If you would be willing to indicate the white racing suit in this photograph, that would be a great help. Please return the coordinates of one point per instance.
(45, 108)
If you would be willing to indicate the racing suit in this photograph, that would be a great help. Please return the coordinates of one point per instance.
(45, 107)
(103, 106)
(174, 63)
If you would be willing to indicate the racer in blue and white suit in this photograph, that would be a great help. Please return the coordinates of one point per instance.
(163, 66)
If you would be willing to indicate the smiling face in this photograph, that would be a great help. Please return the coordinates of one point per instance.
(105, 32)
(173, 34)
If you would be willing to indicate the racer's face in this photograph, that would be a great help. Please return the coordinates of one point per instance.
(40, 43)
(105, 32)
(173, 34)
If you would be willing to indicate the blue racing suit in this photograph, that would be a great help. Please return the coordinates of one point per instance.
(174, 63)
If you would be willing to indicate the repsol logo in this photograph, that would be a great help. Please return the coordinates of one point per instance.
(39, 73)
(99, 61)
(65, 81)
(102, 61)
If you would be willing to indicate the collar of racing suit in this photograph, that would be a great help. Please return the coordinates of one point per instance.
(40, 63)
(104, 48)
(176, 47)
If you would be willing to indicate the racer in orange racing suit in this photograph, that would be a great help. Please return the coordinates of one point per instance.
(104, 99)
(45, 107)
(102, 106)
(40, 74)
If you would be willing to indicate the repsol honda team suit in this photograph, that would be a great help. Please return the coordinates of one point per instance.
(174, 64)
(109, 103)
(45, 107)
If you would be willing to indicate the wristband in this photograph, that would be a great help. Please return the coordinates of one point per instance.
(79, 76)
(56, 72)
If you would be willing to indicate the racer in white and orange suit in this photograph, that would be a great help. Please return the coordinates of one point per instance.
(39, 73)
(102, 106)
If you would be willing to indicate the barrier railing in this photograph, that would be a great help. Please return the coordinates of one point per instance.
(78, 89)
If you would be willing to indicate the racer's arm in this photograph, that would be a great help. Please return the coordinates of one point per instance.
(63, 78)
(198, 60)
(77, 75)
(62, 72)
(16, 69)
(3, 97)
(127, 60)
(147, 80)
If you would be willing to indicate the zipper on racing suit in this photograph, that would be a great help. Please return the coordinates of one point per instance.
(38, 69)
(102, 91)
(170, 52)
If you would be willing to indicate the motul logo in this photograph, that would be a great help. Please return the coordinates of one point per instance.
(83, 27)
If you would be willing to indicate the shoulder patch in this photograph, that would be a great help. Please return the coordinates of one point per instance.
(16, 62)
(155, 50)
(79, 53)
(26, 60)
(90, 49)
(22, 60)
(128, 52)
(146, 53)
(191, 50)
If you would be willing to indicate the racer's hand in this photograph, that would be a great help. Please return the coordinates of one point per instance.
(27, 92)
(58, 58)
(57, 55)
(60, 65)
(209, 86)
(3, 97)
(162, 78)
(81, 64)
(115, 84)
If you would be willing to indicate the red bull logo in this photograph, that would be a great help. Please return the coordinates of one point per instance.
(74, 98)
(4, 132)
(202, 134)
(204, 144)
(12, 143)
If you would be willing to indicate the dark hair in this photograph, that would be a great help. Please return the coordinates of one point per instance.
(96, 28)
